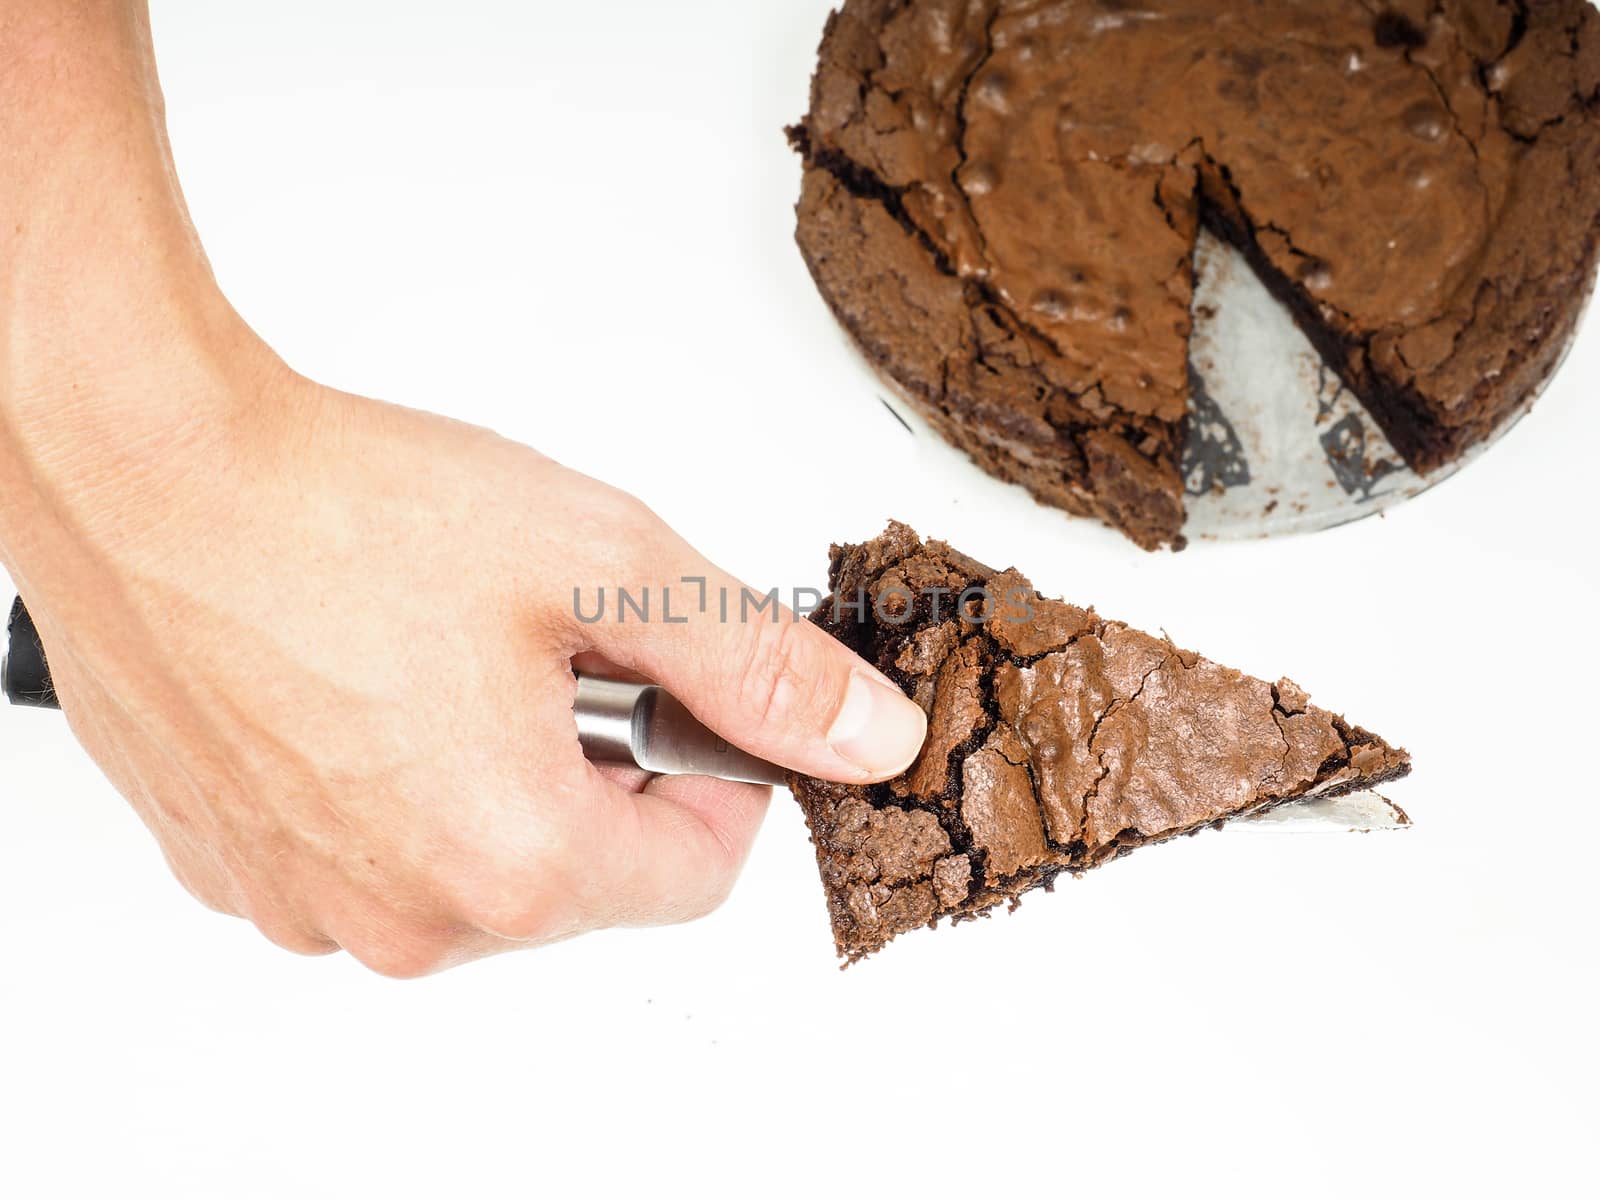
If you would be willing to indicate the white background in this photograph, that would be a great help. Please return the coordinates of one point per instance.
(573, 222)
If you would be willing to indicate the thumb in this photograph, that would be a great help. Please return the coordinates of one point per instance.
(750, 669)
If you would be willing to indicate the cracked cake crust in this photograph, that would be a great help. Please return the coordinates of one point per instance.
(1058, 742)
(1010, 240)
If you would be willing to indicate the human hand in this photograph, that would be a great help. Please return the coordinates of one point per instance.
(330, 663)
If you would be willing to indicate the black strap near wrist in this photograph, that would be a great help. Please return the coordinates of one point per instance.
(24, 673)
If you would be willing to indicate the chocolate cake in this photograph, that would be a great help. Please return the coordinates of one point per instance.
(1057, 741)
(1002, 197)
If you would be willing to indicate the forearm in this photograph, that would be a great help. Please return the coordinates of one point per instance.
(102, 278)
(90, 204)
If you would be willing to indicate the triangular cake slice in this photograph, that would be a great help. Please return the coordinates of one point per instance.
(1057, 742)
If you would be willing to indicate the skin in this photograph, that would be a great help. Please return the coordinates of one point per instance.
(239, 576)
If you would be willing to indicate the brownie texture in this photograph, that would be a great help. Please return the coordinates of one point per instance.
(1058, 741)
(1001, 200)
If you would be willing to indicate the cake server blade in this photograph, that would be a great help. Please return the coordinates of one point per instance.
(1359, 812)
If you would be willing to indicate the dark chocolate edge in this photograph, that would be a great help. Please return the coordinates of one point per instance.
(864, 184)
(1398, 408)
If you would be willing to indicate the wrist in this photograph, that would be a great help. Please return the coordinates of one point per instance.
(99, 266)
(118, 352)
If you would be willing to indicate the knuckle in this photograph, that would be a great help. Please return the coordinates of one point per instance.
(706, 888)
(293, 937)
(719, 878)
(715, 880)
(623, 522)
(690, 904)
(618, 541)
(398, 957)
(209, 900)
(522, 918)
(775, 669)
(208, 891)
(279, 924)
(616, 506)
(713, 894)
(509, 904)
(510, 884)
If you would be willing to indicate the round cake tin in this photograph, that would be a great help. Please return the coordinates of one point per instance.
(1277, 444)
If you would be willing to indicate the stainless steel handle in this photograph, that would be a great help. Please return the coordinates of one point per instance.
(609, 715)
(643, 725)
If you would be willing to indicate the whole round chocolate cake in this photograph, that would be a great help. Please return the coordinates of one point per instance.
(1002, 198)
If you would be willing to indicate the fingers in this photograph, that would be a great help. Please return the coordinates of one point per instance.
(664, 855)
(493, 833)
(287, 930)
(393, 943)
(619, 849)
(672, 852)
(770, 683)
(699, 833)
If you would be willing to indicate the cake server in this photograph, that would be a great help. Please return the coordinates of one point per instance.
(643, 725)
(622, 723)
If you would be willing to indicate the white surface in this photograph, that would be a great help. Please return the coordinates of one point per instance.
(572, 222)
